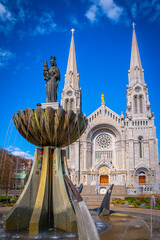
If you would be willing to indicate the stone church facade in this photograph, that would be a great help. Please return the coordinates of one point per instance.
(114, 149)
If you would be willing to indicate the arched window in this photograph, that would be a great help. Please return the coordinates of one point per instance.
(141, 173)
(135, 104)
(140, 146)
(67, 104)
(72, 104)
(141, 103)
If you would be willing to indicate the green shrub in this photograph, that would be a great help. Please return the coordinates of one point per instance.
(118, 201)
(14, 200)
(4, 198)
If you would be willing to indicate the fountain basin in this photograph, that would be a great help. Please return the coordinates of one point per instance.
(49, 127)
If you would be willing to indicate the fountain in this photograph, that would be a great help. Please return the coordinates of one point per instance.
(50, 199)
(46, 201)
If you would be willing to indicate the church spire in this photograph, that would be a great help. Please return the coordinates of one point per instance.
(138, 104)
(72, 77)
(136, 72)
(71, 94)
(135, 57)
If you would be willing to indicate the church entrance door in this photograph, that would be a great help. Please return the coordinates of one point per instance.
(104, 179)
(142, 179)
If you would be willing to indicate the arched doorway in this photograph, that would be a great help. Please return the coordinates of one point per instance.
(142, 177)
(104, 179)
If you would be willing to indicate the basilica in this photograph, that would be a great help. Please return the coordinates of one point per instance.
(114, 149)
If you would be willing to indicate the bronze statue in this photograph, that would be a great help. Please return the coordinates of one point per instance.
(52, 78)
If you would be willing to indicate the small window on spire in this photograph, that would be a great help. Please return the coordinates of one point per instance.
(135, 104)
(140, 146)
(141, 103)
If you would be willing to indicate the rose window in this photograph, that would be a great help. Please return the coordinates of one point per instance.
(103, 141)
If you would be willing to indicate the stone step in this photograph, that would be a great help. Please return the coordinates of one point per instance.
(88, 190)
(118, 190)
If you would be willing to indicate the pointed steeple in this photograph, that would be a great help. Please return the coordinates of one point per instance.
(136, 72)
(71, 94)
(135, 57)
(72, 77)
(138, 104)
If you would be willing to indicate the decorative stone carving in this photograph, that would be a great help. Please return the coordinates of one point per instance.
(137, 89)
(69, 93)
(103, 141)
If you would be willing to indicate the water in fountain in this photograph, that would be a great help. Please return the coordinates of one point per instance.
(4, 162)
(145, 222)
(153, 204)
(133, 223)
(10, 124)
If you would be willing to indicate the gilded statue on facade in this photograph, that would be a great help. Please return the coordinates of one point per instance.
(102, 97)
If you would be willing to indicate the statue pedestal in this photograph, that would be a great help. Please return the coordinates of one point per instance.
(54, 105)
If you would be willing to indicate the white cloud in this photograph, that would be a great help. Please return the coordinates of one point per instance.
(5, 57)
(124, 11)
(5, 14)
(134, 10)
(22, 154)
(21, 14)
(46, 25)
(150, 8)
(17, 152)
(104, 7)
(7, 21)
(74, 21)
(91, 14)
(111, 10)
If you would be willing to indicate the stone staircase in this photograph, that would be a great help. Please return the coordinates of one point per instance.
(89, 190)
(119, 190)
(94, 200)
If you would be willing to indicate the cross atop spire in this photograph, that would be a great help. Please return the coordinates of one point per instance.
(133, 24)
(72, 30)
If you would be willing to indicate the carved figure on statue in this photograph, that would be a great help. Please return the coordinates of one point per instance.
(52, 78)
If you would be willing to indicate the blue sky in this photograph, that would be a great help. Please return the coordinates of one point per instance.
(32, 31)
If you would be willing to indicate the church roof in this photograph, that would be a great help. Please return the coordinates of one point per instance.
(104, 112)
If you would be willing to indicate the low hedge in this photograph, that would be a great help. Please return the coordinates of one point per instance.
(4, 198)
